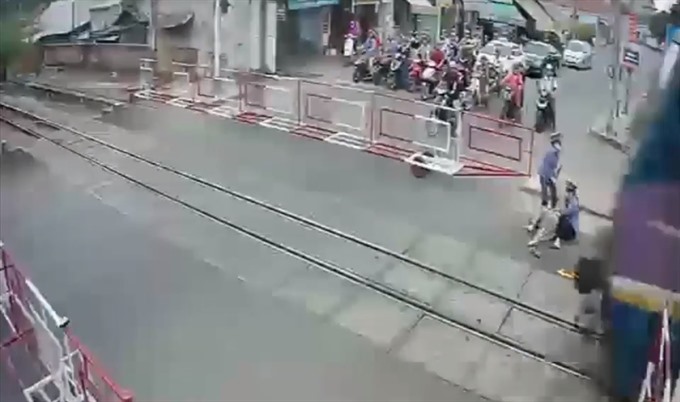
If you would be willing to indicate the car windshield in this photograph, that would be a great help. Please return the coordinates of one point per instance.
(538, 49)
(490, 49)
(576, 47)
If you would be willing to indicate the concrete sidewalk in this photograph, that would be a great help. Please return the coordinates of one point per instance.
(588, 204)
(619, 137)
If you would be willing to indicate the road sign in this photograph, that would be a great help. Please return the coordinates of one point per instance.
(630, 56)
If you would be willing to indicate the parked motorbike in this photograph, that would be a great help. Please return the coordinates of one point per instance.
(348, 48)
(382, 68)
(415, 74)
(363, 71)
(394, 74)
(508, 111)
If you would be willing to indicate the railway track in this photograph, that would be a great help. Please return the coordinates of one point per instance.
(41, 128)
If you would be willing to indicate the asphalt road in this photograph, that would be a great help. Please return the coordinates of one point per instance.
(356, 192)
(172, 325)
(155, 291)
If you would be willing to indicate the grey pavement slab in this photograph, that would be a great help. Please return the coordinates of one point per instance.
(474, 308)
(377, 318)
(507, 376)
(415, 282)
(499, 273)
(173, 327)
(443, 252)
(552, 341)
(443, 350)
(320, 292)
(552, 293)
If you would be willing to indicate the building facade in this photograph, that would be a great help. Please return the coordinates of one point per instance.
(268, 34)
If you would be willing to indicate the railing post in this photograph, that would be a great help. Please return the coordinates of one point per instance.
(299, 102)
(373, 138)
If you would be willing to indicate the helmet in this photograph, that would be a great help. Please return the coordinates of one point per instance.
(556, 137)
(571, 186)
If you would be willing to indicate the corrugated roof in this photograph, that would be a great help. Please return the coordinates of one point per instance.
(555, 11)
(587, 6)
(543, 20)
(62, 16)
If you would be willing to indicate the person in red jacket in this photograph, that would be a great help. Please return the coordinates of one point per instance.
(438, 56)
(515, 80)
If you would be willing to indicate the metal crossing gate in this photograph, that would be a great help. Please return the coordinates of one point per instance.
(435, 137)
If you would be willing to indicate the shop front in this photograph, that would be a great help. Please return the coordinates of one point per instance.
(425, 18)
(367, 12)
(307, 27)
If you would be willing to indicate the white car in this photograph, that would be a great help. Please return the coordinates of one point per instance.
(578, 54)
(509, 54)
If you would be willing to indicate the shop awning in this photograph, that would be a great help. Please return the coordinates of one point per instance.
(175, 20)
(423, 7)
(543, 20)
(366, 2)
(505, 12)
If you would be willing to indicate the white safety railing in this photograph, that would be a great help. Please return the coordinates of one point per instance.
(657, 384)
(63, 370)
(433, 136)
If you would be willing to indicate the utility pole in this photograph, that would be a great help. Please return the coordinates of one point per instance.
(163, 58)
(153, 20)
(615, 71)
(217, 44)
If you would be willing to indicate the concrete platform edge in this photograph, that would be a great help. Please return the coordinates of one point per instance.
(66, 91)
(530, 186)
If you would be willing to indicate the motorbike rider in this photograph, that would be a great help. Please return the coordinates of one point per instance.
(371, 48)
(451, 46)
(515, 81)
(453, 79)
(548, 84)
(438, 58)
(481, 70)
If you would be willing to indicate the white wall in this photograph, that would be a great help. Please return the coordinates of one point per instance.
(270, 41)
(201, 34)
(241, 37)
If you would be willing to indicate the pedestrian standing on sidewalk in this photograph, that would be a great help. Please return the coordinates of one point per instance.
(547, 177)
